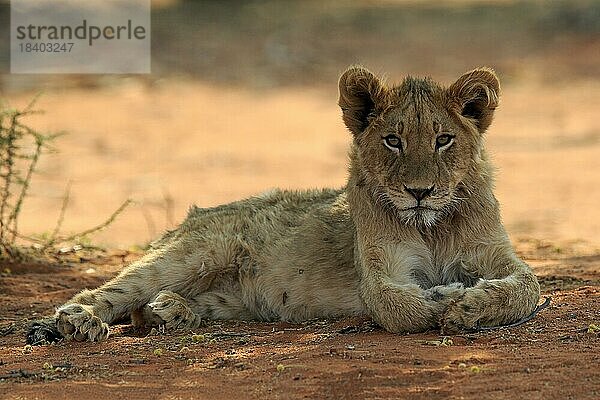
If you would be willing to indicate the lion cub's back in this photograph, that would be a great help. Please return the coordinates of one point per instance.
(275, 212)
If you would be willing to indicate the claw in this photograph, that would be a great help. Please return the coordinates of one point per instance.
(173, 310)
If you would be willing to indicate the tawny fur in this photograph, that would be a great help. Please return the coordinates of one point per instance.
(362, 249)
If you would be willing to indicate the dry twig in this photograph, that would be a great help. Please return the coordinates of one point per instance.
(17, 167)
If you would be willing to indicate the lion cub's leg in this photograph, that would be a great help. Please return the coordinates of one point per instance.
(175, 312)
(87, 315)
(405, 308)
(494, 302)
(393, 298)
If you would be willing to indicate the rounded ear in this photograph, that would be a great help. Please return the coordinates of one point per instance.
(475, 96)
(360, 94)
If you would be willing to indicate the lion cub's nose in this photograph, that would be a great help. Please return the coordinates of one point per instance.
(419, 193)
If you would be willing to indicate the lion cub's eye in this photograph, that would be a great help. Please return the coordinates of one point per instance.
(392, 142)
(443, 140)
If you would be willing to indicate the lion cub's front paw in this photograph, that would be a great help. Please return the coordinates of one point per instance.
(77, 322)
(465, 313)
(174, 311)
(445, 294)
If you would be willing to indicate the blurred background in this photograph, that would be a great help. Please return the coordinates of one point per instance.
(242, 98)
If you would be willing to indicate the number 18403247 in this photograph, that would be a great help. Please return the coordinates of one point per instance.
(58, 47)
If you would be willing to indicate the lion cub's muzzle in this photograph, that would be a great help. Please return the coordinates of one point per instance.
(419, 193)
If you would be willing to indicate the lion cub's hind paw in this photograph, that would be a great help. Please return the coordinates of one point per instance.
(77, 322)
(174, 311)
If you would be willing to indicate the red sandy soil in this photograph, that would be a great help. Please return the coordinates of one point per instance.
(554, 356)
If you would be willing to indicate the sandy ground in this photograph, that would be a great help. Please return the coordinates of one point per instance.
(554, 356)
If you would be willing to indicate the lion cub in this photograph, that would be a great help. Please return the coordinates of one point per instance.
(414, 239)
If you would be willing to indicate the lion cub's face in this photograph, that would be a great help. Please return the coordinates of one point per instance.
(415, 143)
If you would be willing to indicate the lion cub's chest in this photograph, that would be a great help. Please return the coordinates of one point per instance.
(425, 265)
